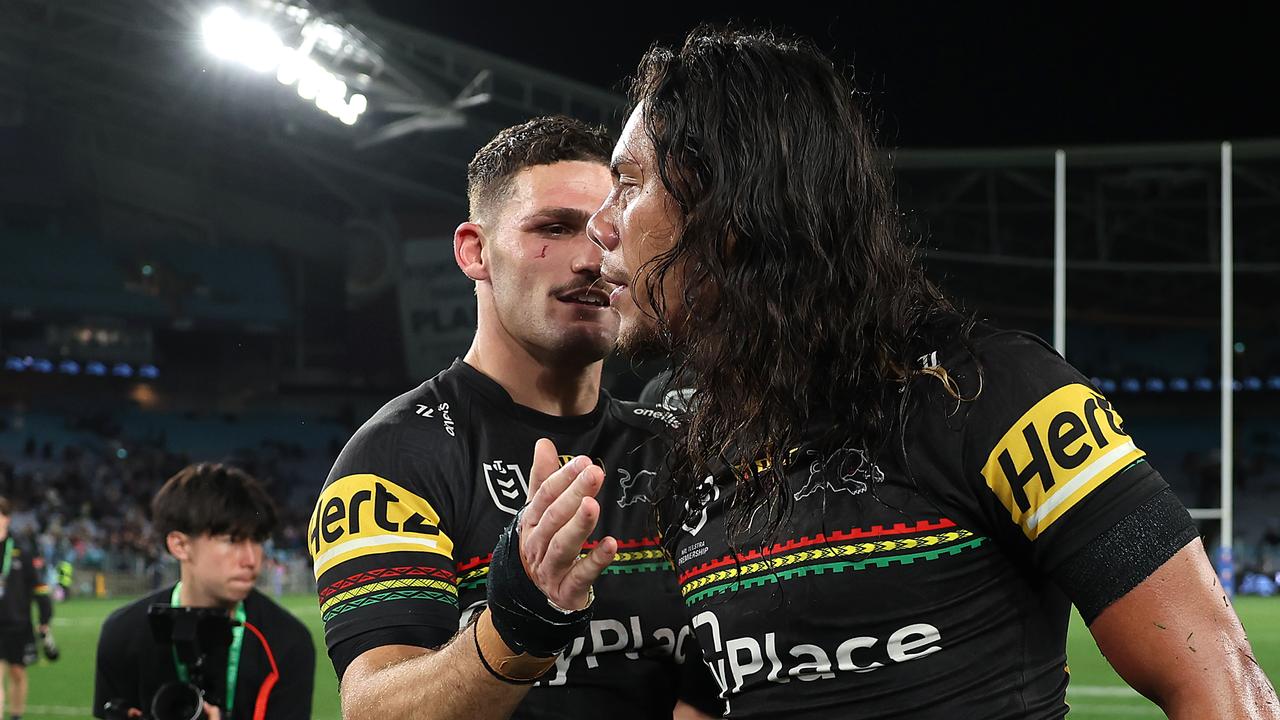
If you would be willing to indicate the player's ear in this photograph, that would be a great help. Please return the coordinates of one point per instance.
(468, 250)
(179, 545)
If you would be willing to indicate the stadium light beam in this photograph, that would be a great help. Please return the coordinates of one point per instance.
(219, 29)
(251, 43)
(254, 44)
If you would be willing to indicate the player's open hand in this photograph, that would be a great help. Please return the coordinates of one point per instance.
(561, 514)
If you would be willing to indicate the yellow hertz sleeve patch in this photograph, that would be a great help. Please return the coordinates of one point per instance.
(361, 515)
(1057, 453)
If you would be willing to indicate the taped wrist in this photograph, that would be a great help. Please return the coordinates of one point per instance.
(500, 660)
(523, 616)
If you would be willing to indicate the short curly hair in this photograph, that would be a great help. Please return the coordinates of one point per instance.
(540, 141)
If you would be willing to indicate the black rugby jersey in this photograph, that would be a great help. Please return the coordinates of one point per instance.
(929, 594)
(403, 531)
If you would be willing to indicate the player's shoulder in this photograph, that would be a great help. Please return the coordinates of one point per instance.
(417, 412)
(420, 421)
(991, 365)
(956, 343)
(1013, 350)
(1013, 395)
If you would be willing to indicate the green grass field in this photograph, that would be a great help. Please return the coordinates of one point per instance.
(65, 688)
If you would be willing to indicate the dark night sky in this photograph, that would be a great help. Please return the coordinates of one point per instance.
(948, 74)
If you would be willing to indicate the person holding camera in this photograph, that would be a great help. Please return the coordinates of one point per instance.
(21, 581)
(213, 519)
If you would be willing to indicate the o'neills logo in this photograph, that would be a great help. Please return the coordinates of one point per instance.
(1056, 454)
(362, 515)
(664, 415)
(736, 662)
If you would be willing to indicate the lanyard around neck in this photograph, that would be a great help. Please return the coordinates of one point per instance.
(8, 557)
(233, 655)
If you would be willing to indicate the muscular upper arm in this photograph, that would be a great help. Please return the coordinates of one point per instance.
(1176, 639)
(361, 679)
(369, 662)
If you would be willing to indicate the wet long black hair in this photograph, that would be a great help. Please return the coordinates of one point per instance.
(801, 295)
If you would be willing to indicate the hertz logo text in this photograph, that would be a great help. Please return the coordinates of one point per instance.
(1056, 454)
(361, 515)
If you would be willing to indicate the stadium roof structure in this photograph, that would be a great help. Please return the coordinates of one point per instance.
(125, 96)
(119, 106)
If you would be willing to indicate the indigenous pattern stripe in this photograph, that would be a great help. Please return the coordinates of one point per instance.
(900, 544)
(384, 584)
(634, 556)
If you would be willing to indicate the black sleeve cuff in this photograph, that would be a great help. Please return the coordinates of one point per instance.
(425, 636)
(1119, 559)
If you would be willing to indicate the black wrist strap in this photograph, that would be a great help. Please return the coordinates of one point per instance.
(523, 616)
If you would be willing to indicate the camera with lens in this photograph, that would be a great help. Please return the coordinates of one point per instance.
(199, 638)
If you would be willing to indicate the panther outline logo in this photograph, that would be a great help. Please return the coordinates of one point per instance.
(853, 473)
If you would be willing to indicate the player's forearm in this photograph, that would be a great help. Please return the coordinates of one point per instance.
(1240, 691)
(448, 684)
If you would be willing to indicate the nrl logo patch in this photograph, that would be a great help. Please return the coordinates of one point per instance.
(695, 508)
(506, 485)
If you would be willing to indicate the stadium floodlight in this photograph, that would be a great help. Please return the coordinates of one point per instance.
(321, 60)
(234, 38)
